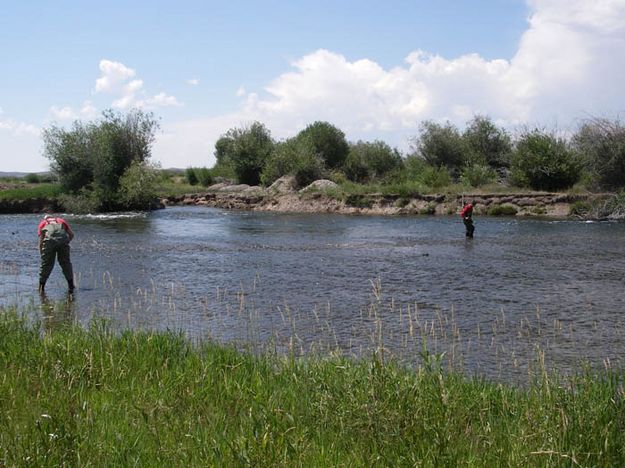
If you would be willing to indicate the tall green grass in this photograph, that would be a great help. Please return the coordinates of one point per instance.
(91, 397)
(34, 191)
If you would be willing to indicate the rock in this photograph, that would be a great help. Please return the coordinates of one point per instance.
(320, 184)
(235, 188)
(219, 186)
(254, 189)
(285, 184)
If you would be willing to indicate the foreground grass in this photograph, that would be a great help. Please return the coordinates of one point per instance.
(76, 397)
(31, 191)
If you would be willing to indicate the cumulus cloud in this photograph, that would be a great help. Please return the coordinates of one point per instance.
(19, 129)
(119, 81)
(570, 64)
(67, 113)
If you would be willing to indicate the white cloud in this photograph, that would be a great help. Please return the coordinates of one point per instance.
(20, 143)
(193, 81)
(67, 113)
(114, 76)
(18, 129)
(119, 81)
(570, 64)
(162, 100)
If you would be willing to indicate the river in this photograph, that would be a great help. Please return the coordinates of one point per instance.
(521, 291)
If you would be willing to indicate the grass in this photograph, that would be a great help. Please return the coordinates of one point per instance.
(34, 191)
(91, 397)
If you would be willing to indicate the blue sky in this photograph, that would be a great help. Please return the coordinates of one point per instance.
(375, 70)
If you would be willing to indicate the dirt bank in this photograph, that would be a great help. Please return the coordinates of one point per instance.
(522, 204)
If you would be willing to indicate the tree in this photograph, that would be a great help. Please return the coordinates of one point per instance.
(543, 161)
(440, 145)
(247, 149)
(371, 161)
(602, 142)
(328, 141)
(487, 143)
(90, 158)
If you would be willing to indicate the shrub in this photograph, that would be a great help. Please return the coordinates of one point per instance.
(371, 161)
(487, 143)
(32, 178)
(191, 176)
(308, 168)
(440, 145)
(478, 175)
(580, 208)
(295, 157)
(328, 141)
(543, 161)
(502, 210)
(204, 176)
(246, 150)
(359, 200)
(435, 177)
(602, 143)
(138, 186)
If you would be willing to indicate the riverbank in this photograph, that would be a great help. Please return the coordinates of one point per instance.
(70, 396)
(329, 200)
(326, 197)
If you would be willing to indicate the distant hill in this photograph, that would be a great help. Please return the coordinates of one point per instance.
(20, 174)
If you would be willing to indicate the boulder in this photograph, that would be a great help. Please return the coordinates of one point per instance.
(285, 184)
(320, 184)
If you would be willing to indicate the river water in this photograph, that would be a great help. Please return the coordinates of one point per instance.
(522, 291)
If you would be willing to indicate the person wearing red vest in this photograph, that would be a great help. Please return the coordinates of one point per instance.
(55, 234)
(467, 218)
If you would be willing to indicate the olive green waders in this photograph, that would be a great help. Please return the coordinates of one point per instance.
(55, 246)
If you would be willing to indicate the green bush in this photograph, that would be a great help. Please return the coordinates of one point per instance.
(440, 145)
(487, 143)
(328, 141)
(435, 177)
(191, 176)
(478, 175)
(138, 186)
(32, 178)
(246, 150)
(204, 176)
(602, 142)
(543, 161)
(371, 161)
(296, 157)
(580, 208)
(502, 210)
(359, 200)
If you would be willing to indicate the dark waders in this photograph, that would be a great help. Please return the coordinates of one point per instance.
(468, 224)
(55, 246)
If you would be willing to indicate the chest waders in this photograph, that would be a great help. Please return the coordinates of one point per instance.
(468, 224)
(55, 245)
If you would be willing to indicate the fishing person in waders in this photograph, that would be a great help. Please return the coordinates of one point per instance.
(467, 218)
(54, 238)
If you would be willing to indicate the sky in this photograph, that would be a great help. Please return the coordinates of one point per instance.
(374, 69)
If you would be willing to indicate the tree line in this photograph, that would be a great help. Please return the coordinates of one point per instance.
(104, 165)
(440, 154)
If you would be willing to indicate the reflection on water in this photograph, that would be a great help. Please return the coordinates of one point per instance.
(313, 282)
